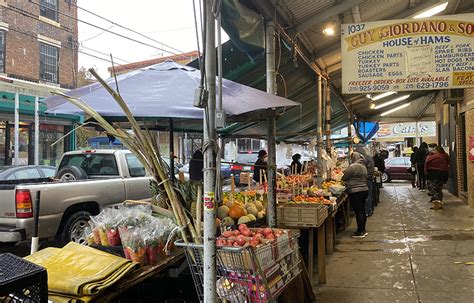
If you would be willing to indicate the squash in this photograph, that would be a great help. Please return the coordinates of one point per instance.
(229, 204)
(249, 204)
(251, 217)
(243, 219)
(260, 215)
(252, 210)
(237, 211)
(222, 212)
(228, 221)
(259, 205)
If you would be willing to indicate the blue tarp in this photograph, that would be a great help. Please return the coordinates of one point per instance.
(366, 130)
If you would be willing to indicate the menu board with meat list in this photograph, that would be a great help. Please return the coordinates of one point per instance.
(408, 55)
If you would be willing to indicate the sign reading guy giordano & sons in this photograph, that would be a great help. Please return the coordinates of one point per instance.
(410, 54)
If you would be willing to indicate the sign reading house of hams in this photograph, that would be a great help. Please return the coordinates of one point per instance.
(408, 55)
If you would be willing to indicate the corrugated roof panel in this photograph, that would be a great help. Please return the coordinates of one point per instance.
(301, 9)
(381, 9)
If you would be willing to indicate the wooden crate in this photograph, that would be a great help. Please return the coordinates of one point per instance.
(301, 215)
(246, 178)
(284, 197)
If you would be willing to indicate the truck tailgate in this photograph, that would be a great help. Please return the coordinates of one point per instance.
(7, 201)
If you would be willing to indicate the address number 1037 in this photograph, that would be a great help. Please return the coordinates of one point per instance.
(354, 28)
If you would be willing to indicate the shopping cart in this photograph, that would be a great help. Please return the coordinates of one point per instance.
(246, 274)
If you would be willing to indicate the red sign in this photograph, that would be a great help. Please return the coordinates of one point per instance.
(470, 149)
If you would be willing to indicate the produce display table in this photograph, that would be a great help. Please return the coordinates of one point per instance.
(141, 275)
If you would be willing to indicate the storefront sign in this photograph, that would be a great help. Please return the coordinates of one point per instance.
(408, 55)
(471, 148)
(406, 130)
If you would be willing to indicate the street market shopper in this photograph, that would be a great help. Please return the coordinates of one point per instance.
(379, 162)
(437, 172)
(296, 166)
(196, 166)
(369, 164)
(260, 166)
(414, 180)
(355, 178)
(420, 159)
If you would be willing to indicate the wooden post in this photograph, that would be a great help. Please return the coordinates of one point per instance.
(310, 252)
(321, 255)
(329, 222)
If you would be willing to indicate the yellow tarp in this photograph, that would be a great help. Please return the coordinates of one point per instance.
(80, 271)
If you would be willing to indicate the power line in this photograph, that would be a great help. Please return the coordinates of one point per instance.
(102, 53)
(127, 28)
(97, 57)
(104, 29)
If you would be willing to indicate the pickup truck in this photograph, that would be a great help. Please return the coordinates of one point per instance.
(85, 182)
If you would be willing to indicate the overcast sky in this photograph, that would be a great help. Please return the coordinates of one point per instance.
(169, 22)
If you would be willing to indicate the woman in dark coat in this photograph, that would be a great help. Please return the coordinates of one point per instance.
(260, 166)
(420, 158)
(196, 166)
(414, 181)
(296, 166)
(437, 171)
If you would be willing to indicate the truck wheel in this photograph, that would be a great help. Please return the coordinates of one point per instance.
(73, 229)
(71, 173)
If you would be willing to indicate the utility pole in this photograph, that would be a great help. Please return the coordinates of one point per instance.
(328, 116)
(210, 158)
(271, 129)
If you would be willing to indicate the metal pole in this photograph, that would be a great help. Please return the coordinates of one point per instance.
(319, 129)
(219, 60)
(171, 144)
(349, 132)
(210, 159)
(35, 238)
(328, 117)
(16, 159)
(271, 130)
(37, 130)
(185, 147)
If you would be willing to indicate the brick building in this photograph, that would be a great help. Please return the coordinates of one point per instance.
(38, 54)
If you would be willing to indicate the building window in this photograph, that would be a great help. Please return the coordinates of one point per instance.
(2, 51)
(49, 57)
(49, 9)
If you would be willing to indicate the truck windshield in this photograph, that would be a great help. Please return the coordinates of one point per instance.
(92, 164)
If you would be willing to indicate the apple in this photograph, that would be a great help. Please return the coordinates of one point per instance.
(236, 244)
(236, 232)
(241, 241)
(267, 231)
(259, 230)
(246, 232)
(242, 227)
(221, 242)
(228, 233)
(254, 242)
(270, 237)
(230, 242)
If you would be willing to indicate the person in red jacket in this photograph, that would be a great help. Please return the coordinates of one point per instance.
(437, 172)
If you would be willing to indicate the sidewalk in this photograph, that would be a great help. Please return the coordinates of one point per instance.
(408, 256)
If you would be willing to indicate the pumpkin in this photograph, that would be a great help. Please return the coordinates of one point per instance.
(244, 219)
(222, 212)
(237, 211)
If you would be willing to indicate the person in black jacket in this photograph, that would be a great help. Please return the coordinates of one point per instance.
(260, 166)
(196, 166)
(380, 164)
(420, 158)
(414, 181)
(296, 166)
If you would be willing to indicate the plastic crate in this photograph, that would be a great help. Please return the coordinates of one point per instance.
(22, 281)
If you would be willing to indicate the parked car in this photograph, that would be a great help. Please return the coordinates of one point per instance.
(397, 168)
(243, 163)
(27, 172)
(225, 170)
(88, 181)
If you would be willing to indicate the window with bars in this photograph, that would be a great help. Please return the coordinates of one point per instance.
(49, 57)
(2, 51)
(49, 9)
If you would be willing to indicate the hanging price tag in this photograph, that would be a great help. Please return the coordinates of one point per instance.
(209, 201)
